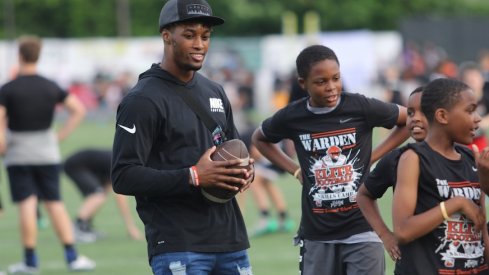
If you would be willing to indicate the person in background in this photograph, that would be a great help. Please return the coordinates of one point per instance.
(265, 189)
(161, 154)
(31, 154)
(483, 61)
(89, 170)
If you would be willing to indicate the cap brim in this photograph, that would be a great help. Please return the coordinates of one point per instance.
(210, 20)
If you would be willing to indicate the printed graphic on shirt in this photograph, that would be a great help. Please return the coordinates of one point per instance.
(216, 105)
(218, 136)
(459, 241)
(335, 172)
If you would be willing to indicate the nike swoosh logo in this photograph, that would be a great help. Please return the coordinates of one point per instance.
(345, 120)
(130, 130)
(474, 169)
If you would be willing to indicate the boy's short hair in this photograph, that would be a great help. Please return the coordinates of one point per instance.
(312, 55)
(441, 93)
(30, 48)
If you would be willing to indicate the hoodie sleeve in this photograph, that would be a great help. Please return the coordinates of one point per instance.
(137, 125)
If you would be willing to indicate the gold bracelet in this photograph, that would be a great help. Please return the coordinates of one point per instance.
(296, 173)
(444, 211)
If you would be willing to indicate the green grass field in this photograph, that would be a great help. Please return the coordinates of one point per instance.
(117, 254)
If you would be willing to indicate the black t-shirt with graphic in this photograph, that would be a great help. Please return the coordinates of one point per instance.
(454, 247)
(334, 150)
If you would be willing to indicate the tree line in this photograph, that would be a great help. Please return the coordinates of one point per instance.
(119, 18)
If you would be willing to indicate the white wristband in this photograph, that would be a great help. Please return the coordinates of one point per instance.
(192, 176)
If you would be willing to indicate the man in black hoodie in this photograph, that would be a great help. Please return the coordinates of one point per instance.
(161, 154)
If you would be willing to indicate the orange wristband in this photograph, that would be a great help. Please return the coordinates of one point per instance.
(195, 175)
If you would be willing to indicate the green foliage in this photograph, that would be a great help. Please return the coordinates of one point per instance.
(249, 16)
(33, 17)
(144, 18)
(89, 18)
(92, 18)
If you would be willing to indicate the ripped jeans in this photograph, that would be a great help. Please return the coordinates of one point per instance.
(192, 263)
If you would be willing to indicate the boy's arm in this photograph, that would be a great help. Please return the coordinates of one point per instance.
(409, 226)
(396, 137)
(273, 153)
(126, 216)
(77, 113)
(370, 210)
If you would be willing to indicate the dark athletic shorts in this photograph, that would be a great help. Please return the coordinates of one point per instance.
(86, 181)
(39, 180)
(89, 170)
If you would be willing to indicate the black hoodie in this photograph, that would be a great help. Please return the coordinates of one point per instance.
(158, 137)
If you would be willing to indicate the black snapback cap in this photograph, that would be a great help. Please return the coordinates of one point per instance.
(175, 11)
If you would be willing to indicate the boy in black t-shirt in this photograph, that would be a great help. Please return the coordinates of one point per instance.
(332, 134)
(438, 207)
(384, 176)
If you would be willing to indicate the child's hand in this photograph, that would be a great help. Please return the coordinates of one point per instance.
(391, 246)
(474, 213)
(482, 161)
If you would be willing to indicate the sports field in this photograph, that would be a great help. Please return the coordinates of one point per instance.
(117, 254)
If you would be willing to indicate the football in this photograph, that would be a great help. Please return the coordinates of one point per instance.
(231, 149)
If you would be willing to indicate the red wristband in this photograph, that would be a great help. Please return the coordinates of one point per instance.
(196, 175)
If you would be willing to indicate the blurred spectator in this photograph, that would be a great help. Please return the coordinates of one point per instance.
(265, 189)
(296, 92)
(390, 81)
(125, 81)
(484, 63)
(281, 90)
(432, 55)
(32, 157)
(246, 88)
(83, 92)
(226, 78)
(413, 61)
(89, 169)
(446, 68)
(100, 85)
